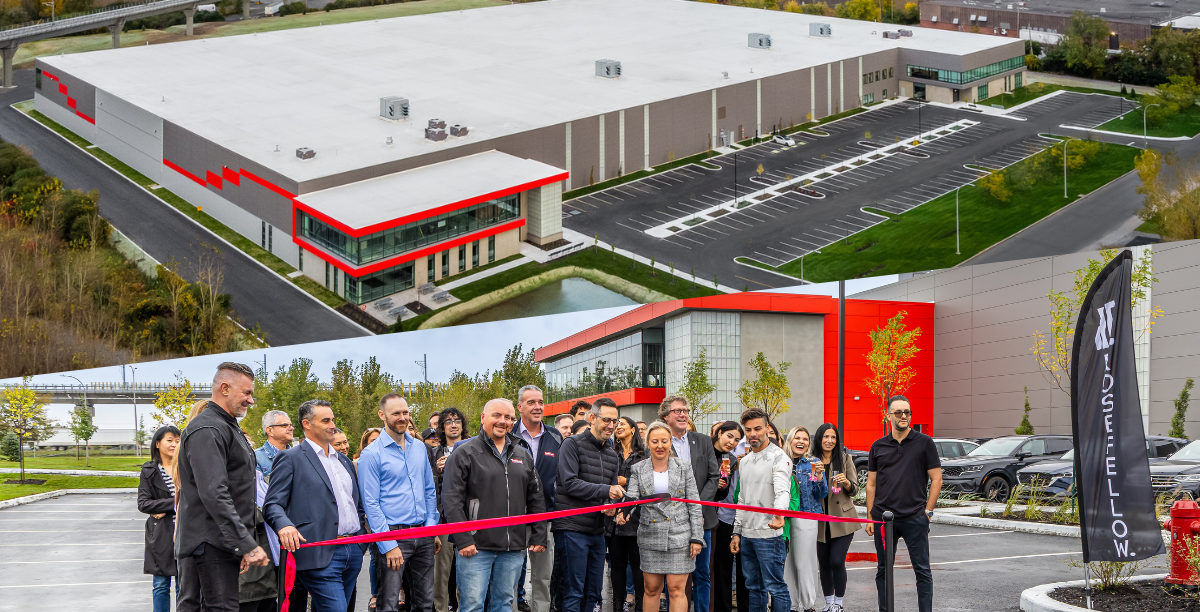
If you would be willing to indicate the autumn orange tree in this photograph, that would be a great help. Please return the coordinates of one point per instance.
(892, 347)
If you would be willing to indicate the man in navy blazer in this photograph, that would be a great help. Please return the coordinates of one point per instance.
(313, 497)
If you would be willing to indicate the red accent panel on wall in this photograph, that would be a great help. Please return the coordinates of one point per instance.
(71, 102)
(403, 257)
(213, 179)
(265, 183)
(62, 89)
(624, 397)
(49, 76)
(86, 118)
(172, 165)
(231, 175)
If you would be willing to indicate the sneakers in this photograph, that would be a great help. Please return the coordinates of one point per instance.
(523, 606)
(837, 608)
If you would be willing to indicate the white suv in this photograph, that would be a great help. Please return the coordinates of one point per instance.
(783, 140)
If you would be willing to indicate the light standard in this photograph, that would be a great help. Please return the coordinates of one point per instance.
(1065, 143)
(1144, 109)
(137, 447)
(87, 442)
(957, 241)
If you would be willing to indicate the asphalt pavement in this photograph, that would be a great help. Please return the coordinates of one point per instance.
(85, 552)
(260, 296)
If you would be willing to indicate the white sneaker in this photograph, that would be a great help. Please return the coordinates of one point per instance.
(828, 608)
(836, 608)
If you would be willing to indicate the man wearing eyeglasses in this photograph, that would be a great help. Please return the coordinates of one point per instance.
(278, 428)
(696, 448)
(899, 468)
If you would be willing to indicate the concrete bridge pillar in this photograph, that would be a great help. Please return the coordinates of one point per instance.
(245, 9)
(7, 53)
(116, 33)
(189, 13)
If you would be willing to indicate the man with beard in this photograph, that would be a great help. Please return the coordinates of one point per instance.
(766, 482)
(215, 527)
(398, 492)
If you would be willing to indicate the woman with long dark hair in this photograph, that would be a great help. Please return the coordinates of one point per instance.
(452, 428)
(156, 497)
(622, 539)
(833, 539)
(727, 440)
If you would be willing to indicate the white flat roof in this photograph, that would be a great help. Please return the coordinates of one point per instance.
(498, 71)
(421, 190)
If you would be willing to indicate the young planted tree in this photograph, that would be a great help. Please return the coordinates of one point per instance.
(1025, 428)
(288, 388)
(82, 429)
(141, 436)
(698, 388)
(892, 347)
(1181, 406)
(768, 390)
(23, 413)
(174, 404)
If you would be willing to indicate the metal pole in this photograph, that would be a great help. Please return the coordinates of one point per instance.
(841, 422)
(1065, 143)
(957, 225)
(137, 447)
(735, 194)
(889, 551)
(1087, 584)
(281, 582)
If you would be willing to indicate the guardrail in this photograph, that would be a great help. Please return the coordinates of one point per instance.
(96, 18)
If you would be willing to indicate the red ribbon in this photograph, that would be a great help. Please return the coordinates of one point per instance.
(289, 580)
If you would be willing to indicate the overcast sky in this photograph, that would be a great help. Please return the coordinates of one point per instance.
(469, 348)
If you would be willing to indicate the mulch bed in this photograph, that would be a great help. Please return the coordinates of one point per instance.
(418, 308)
(27, 481)
(550, 246)
(1155, 596)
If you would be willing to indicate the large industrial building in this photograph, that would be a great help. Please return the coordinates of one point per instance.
(373, 156)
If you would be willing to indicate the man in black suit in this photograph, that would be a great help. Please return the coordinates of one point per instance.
(314, 497)
(696, 448)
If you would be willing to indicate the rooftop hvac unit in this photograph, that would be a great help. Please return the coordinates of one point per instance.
(437, 124)
(907, 33)
(760, 41)
(609, 69)
(891, 35)
(435, 134)
(458, 130)
(393, 108)
(820, 29)
(305, 153)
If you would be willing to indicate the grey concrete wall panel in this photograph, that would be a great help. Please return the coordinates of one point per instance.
(612, 146)
(130, 133)
(635, 139)
(82, 92)
(585, 152)
(64, 117)
(1175, 343)
(798, 339)
(821, 86)
(199, 156)
(680, 127)
(785, 100)
(741, 109)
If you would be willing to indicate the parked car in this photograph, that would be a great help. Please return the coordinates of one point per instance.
(991, 469)
(1179, 473)
(783, 140)
(947, 448)
(1055, 476)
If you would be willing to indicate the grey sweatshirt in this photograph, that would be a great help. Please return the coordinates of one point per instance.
(765, 478)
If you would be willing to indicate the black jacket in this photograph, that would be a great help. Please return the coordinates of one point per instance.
(216, 486)
(547, 462)
(587, 468)
(707, 471)
(301, 495)
(630, 528)
(154, 498)
(477, 483)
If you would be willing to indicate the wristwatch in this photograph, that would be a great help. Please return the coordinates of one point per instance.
(929, 514)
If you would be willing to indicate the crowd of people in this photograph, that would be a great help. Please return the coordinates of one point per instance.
(221, 512)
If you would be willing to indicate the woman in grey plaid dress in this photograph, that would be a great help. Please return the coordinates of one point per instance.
(670, 534)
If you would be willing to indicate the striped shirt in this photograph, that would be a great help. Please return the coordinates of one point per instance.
(166, 476)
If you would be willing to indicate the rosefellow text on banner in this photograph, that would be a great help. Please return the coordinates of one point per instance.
(1112, 472)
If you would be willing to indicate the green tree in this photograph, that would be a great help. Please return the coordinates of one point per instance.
(11, 447)
(1167, 51)
(1085, 44)
(141, 436)
(1025, 428)
(863, 10)
(1181, 406)
(23, 413)
(768, 390)
(174, 404)
(698, 388)
(892, 347)
(82, 428)
(817, 8)
(519, 369)
(284, 391)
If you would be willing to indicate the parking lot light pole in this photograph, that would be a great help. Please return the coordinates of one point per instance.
(1144, 109)
(889, 553)
(957, 239)
(87, 444)
(1065, 143)
(735, 193)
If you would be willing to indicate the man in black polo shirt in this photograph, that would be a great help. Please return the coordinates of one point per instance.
(899, 468)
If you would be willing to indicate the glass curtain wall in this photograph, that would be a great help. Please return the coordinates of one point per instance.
(959, 78)
(381, 245)
(611, 366)
(719, 333)
(374, 286)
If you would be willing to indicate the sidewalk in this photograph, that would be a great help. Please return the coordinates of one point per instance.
(1070, 81)
(71, 472)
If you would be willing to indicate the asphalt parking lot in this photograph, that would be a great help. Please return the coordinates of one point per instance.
(789, 224)
(85, 552)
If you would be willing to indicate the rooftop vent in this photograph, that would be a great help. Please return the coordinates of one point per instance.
(305, 153)
(609, 69)
(891, 35)
(437, 124)
(435, 134)
(760, 41)
(393, 108)
(820, 29)
(458, 130)
(934, 18)
(903, 32)
(1102, 9)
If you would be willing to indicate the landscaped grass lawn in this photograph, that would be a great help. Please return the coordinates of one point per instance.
(53, 483)
(1033, 91)
(923, 238)
(116, 463)
(137, 38)
(1184, 123)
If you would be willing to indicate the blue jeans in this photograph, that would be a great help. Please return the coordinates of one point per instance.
(488, 576)
(701, 586)
(329, 587)
(374, 578)
(162, 593)
(763, 558)
(915, 531)
(521, 578)
(582, 569)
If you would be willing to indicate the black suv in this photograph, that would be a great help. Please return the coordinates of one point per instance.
(991, 469)
(1054, 477)
(1180, 474)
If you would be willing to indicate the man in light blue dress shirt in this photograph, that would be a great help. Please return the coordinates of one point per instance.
(398, 492)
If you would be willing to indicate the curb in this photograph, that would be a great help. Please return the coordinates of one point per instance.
(29, 499)
(1123, 134)
(72, 472)
(1070, 531)
(1037, 599)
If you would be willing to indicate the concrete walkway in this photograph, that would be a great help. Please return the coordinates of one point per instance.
(70, 472)
(1071, 81)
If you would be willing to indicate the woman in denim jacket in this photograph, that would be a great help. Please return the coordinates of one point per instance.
(801, 571)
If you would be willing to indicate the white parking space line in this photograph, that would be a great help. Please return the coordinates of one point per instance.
(71, 584)
(69, 561)
(1059, 554)
(965, 535)
(43, 544)
(89, 530)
